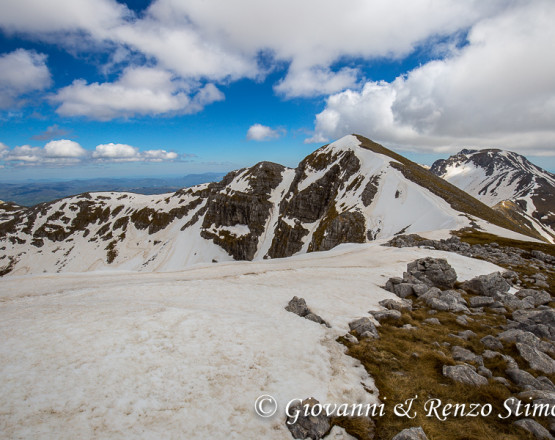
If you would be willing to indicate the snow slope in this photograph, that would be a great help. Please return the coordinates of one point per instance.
(185, 354)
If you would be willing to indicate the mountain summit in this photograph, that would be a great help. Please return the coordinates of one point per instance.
(506, 181)
(350, 191)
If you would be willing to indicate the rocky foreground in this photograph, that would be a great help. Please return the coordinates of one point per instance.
(487, 342)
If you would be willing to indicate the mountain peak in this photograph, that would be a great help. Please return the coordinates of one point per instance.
(496, 176)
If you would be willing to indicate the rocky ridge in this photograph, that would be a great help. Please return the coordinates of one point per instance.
(350, 191)
(506, 181)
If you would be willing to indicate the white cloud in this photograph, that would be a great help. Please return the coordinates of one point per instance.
(116, 152)
(64, 148)
(315, 81)
(65, 152)
(211, 40)
(158, 155)
(24, 153)
(37, 17)
(21, 72)
(138, 92)
(499, 90)
(259, 132)
(126, 153)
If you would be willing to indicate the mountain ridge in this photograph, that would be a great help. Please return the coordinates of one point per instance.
(506, 181)
(350, 191)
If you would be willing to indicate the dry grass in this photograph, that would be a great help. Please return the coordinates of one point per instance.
(408, 363)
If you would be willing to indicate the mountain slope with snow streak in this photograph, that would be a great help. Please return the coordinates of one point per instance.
(350, 191)
(167, 355)
(506, 181)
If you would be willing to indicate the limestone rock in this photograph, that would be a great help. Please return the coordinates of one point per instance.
(464, 374)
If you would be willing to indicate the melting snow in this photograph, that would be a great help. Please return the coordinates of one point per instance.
(185, 354)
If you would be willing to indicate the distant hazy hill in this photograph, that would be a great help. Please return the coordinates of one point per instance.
(32, 193)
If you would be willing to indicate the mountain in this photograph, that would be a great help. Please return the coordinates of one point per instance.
(352, 190)
(32, 193)
(506, 181)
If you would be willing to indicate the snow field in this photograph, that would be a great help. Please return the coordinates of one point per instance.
(186, 354)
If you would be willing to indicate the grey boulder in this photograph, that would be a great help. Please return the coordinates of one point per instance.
(464, 374)
(411, 434)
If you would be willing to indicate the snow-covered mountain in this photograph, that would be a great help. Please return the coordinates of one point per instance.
(352, 190)
(506, 181)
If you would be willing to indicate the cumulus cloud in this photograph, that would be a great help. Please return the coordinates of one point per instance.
(65, 152)
(64, 148)
(126, 153)
(499, 90)
(24, 153)
(139, 91)
(115, 152)
(21, 72)
(315, 81)
(158, 155)
(259, 132)
(40, 18)
(211, 40)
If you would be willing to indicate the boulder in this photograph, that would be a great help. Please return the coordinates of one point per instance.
(464, 374)
(540, 297)
(537, 360)
(403, 290)
(491, 342)
(487, 285)
(522, 378)
(411, 434)
(307, 426)
(400, 305)
(298, 307)
(464, 355)
(533, 427)
(382, 315)
(481, 301)
(448, 300)
(391, 283)
(433, 272)
(467, 334)
(364, 327)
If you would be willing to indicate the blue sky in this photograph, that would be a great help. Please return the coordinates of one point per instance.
(92, 88)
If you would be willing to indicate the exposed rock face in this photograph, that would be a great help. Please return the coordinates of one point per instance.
(250, 208)
(507, 181)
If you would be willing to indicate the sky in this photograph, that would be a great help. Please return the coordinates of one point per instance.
(106, 88)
